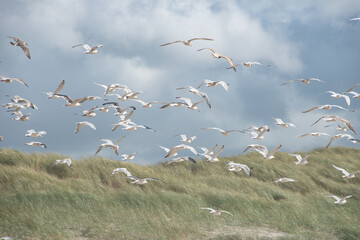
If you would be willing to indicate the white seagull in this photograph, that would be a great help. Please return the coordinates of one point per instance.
(263, 150)
(128, 157)
(285, 179)
(216, 212)
(223, 132)
(281, 123)
(339, 200)
(9, 80)
(79, 125)
(214, 53)
(36, 144)
(167, 150)
(64, 161)
(250, 64)
(178, 148)
(33, 133)
(314, 134)
(206, 151)
(214, 157)
(189, 104)
(197, 92)
(136, 180)
(186, 139)
(180, 159)
(109, 144)
(346, 173)
(339, 95)
(53, 95)
(332, 118)
(186, 42)
(339, 136)
(300, 160)
(327, 107)
(89, 50)
(237, 167)
(305, 81)
(21, 44)
(210, 83)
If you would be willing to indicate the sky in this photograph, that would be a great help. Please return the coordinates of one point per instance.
(299, 39)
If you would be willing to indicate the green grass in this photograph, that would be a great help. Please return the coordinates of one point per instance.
(38, 201)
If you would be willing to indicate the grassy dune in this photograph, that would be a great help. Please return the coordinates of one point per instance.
(41, 202)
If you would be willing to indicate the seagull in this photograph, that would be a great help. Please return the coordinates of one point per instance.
(33, 133)
(9, 80)
(21, 44)
(186, 139)
(21, 117)
(327, 107)
(167, 150)
(89, 113)
(339, 200)
(305, 81)
(263, 150)
(257, 134)
(147, 104)
(346, 173)
(338, 127)
(130, 176)
(339, 95)
(181, 159)
(128, 157)
(300, 160)
(216, 212)
(26, 103)
(264, 128)
(223, 132)
(314, 134)
(178, 148)
(354, 140)
(237, 167)
(338, 136)
(79, 125)
(355, 94)
(173, 104)
(250, 64)
(206, 151)
(210, 83)
(112, 87)
(64, 161)
(53, 95)
(214, 53)
(332, 118)
(189, 104)
(109, 144)
(186, 42)
(89, 50)
(72, 103)
(280, 122)
(285, 179)
(214, 157)
(197, 92)
(130, 126)
(36, 144)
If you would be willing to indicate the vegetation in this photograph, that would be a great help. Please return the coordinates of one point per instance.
(38, 201)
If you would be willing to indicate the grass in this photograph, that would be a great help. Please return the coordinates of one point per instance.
(38, 201)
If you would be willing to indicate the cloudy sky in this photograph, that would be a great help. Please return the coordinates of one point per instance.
(299, 39)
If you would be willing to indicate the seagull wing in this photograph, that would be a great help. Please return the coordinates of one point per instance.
(224, 85)
(200, 39)
(311, 109)
(330, 142)
(290, 82)
(226, 212)
(355, 86)
(346, 173)
(26, 50)
(298, 156)
(60, 87)
(118, 141)
(335, 197)
(165, 44)
(215, 155)
(20, 81)
(246, 169)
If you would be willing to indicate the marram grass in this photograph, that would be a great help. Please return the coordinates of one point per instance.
(38, 201)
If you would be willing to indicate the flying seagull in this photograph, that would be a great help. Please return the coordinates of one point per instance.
(314, 134)
(216, 212)
(281, 123)
(136, 180)
(237, 167)
(346, 173)
(353, 87)
(300, 160)
(305, 81)
(180, 159)
(206, 151)
(128, 157)
(339, 200)
(339, 136)
(64, 161)
(36, 144)
(263, 150)
(214, 157)
(327, 107)
(53, 95)
(210, 83)
(89, 50)
(339, 95)
(332, 118)
(109, 144)
(79, 125)
(33, 133)
(9, 80)
(21, 44)
(197, 92)
(250, 64)
(285, 179)
(214, 53)
(186, 42)
(223, 132)
(186, 139)
(178, 148)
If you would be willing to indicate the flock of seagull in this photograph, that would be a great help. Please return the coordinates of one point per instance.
(123, 93)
